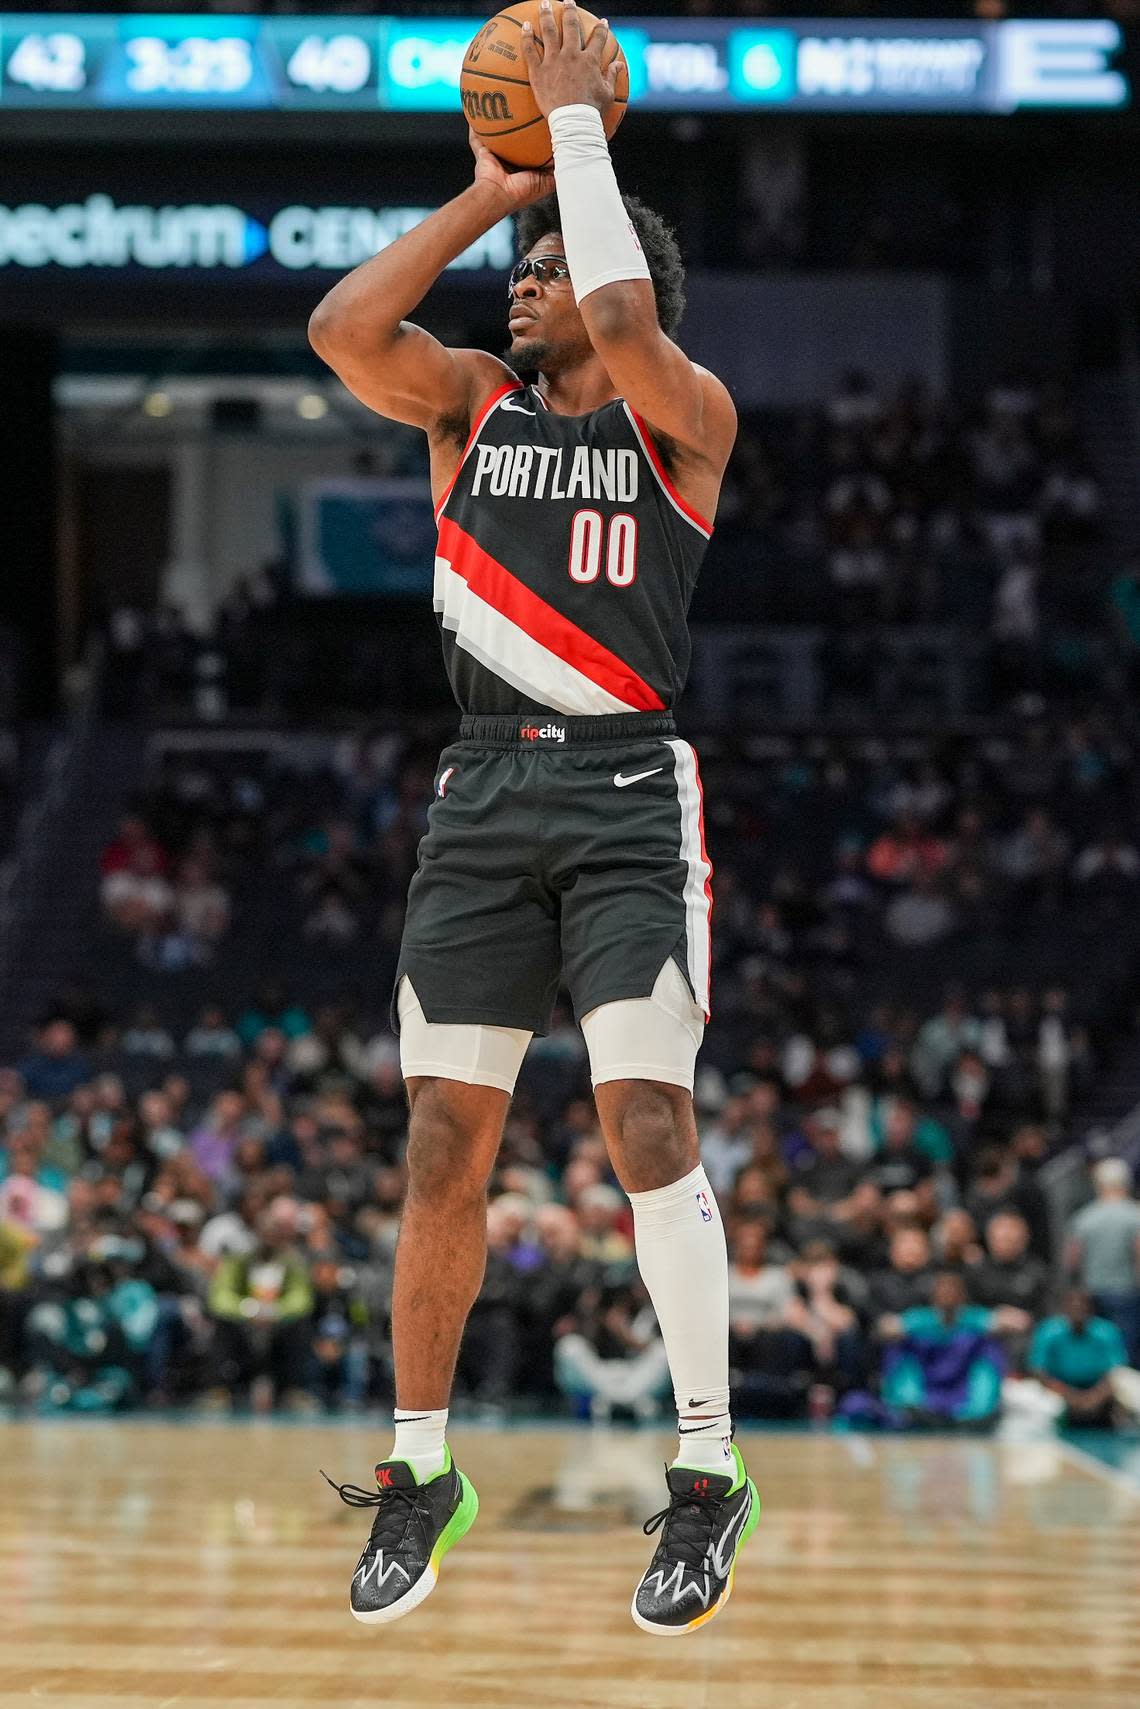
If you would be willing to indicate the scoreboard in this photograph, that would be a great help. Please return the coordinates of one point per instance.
(94, 61)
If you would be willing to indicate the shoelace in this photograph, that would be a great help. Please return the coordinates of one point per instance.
(399, 1506)
(688, 1522)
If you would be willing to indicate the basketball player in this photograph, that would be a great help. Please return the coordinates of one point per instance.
(573, 481)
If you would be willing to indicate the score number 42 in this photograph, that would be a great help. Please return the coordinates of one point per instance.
(55, 62)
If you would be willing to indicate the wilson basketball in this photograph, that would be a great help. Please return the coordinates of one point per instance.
(498, 101)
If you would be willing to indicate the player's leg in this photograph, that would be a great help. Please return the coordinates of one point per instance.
(477, 975)
(460, 1079)
(651, 1135)
(635, 937)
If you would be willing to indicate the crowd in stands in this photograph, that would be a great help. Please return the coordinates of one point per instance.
(843, 868)
(873, 513)
(910, 512)
(211, 1220)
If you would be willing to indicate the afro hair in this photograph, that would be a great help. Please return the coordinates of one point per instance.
(662, 254)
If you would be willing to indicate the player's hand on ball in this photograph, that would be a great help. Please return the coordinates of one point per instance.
(566, 72)
(518, 188)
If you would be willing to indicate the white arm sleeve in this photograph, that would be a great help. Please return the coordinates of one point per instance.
(601, 244)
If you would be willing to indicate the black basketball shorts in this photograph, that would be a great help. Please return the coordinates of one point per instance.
(558, 845)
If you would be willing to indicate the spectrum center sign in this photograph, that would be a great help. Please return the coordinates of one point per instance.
(98, 232)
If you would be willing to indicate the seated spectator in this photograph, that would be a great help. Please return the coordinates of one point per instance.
(553, 1292)
(201, 907)
(338, 1371)
(212, 1036)
(726, 1144)
(272, 1009)
(906, 853)
(825, 1312)
(146, 1036)
(233, 1233)
(613, 1356)
(955, 1241)
(1108, 871)
(900, 1165)
(331, 916)
(999, 1185)
(1070, 502)
(32, 1195)
(1009, 1275)
(87, 1352)
(492, 1341)
(212, 1144)
(940, 1042)
(1075, 1355)
(262, 1304)
(921, 916)
(601, 1213)
(943, 1365)
(773, 1362)
(909, 1278)
(135, 889)
(822, 1193)
(57, 1065)
(1033, 860)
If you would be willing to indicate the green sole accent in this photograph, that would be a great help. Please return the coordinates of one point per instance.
(459, 1524)
(753, 1519)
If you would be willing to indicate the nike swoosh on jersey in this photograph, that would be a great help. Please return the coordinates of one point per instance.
(520, 409)
(621, 782)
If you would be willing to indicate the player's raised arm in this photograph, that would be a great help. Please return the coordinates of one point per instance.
(359, 329)
(609, 272)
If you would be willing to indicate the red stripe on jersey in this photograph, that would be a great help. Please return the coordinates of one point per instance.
(501, 392)
(513, 600)
(655, 458)
(709, 865)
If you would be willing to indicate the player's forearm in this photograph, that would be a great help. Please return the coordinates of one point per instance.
(608, 269)
(374, 298)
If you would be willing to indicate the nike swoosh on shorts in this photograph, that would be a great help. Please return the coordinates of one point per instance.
(621, 782)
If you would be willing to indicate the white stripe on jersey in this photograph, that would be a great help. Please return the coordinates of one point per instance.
(514, 655)
(698, 909)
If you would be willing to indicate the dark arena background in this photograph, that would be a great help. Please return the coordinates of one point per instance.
(913, 252)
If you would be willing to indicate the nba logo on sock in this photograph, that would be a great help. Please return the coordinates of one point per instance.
(704, 1207)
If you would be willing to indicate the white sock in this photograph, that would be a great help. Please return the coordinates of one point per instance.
(683, 1260)
(419, 1440)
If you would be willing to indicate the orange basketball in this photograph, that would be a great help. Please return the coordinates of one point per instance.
(498, 101)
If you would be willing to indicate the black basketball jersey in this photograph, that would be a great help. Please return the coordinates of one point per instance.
(566, 563)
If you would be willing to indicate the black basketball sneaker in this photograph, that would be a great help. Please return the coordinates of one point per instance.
(415, 1525)
(706, 1524)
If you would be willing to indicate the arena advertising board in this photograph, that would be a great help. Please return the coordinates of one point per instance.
(98, 231)
(676, 65)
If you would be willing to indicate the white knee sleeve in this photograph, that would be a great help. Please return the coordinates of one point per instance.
(647, 1038)
(476, 1055)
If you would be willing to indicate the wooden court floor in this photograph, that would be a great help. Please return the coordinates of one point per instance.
(207, 1565)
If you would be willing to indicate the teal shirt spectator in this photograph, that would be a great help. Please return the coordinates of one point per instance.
(1078, 1358)
(292, 1021)
(47, 1175)
(930, 1137)
(905, 1386)
(926, 1324)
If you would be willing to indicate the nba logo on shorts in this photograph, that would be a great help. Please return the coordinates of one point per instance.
(704, 1207)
